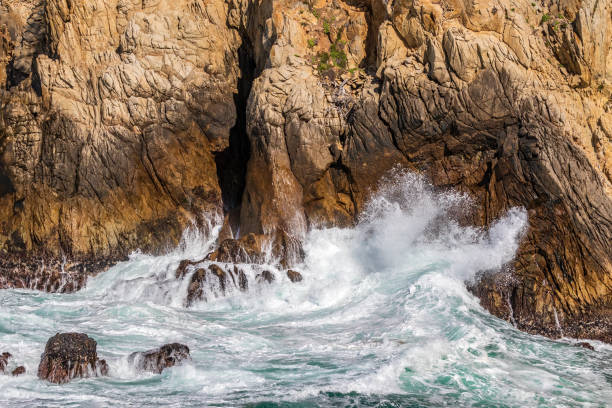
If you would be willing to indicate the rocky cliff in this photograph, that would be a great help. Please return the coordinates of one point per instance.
(124, 121)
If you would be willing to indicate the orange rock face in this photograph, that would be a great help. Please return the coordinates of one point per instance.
(124, 121)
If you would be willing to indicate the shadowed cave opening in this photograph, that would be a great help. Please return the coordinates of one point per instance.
(232, 162)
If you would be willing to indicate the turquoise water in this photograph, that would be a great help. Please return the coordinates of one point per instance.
(382, 318)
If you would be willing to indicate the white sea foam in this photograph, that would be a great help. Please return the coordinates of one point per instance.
(382, 314)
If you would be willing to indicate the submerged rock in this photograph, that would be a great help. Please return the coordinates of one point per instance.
(213, 278)
(585, 345)
(265, 276)
(247, 249)
(294, 276)
(4, 357)
(18, 371)
(253, 248)
(243, 282)
(183, 267)
(68, 356)
(157, 360)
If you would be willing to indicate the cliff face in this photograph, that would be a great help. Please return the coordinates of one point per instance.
(124, 121)
(112, 113)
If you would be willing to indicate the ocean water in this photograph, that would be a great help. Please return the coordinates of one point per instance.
(382, 318)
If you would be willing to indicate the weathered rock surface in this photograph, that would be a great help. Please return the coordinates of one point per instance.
(112, 112)
(48, 273)
(248, 249)
(68, 356)
(123, 121)
(483, 97)
(157, 360)
(210, 280)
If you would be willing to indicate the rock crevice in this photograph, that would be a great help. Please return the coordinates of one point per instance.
(122, 123)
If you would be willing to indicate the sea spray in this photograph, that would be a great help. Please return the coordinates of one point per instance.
(510, 309)
(557, 324)
(382, 317)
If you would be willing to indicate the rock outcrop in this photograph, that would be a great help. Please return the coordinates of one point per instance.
(159, 359)
(222, 271)
(492, 98)
(112, 114)
(68, 356)
(208, 281)
(124, 121)
(48, 273)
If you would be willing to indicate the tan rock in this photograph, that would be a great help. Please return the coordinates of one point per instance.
(122, 121)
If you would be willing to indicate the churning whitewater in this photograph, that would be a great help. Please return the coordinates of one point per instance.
(382, 318)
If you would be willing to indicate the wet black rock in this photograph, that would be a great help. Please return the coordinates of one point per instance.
(157, 360)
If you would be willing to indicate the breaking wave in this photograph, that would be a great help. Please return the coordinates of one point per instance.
(382, 318)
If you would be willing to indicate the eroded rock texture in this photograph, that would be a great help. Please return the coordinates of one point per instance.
(157, 360)
(68, 356)
(122, 121)
(509, 101)
(112, 111)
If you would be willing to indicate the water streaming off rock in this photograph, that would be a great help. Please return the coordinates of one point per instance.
(382, 318)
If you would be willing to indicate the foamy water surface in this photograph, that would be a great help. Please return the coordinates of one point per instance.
(382, 318)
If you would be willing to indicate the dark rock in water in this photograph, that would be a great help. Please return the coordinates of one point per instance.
(294, 276)
(68, 356)
(203, 277)
(220, 274)
(157, 360)
(243, 282)
(265, 276)
(102, 367)
(181, 271)
(585, 345)
(247, 249)
(255, 248)
(18, 371)
(4, 357)
(195, 291)
(48, 274)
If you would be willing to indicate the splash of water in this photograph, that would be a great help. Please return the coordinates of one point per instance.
(382, 318)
